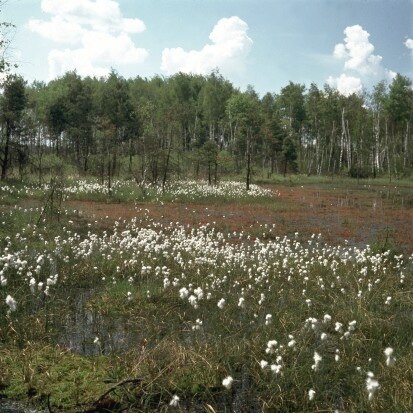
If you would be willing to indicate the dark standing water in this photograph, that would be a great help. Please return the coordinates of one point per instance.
(8, 406)
(88, 333)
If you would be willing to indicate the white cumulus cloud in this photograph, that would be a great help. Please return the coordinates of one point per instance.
(104, 15)
(346, 85)
(409, 44)
(97, 32)
(227, 51)
(359, 60)
(357, 51)
(58, 29)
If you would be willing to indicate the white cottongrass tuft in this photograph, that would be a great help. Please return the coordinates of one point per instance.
(11, 302)
(346, 335)
(371, 385)
(390, 359)
(276, 368)
(311, 394)
(317, 359)
(338, 327)
(352, 325)
(32, 285)
(271, 345)
(197, 325)
(193, 301)
(221, 303)
(227, 382)
(174, 401)
(263, 364)
(199, 293)
(291, 343)
(326, 318)
(183, 293)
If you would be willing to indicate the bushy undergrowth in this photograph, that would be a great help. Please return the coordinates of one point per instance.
(203, 318)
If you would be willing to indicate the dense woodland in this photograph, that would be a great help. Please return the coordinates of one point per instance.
(201, 126)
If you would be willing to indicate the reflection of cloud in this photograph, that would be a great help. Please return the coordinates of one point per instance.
(99, 30)
(228, 50)
(357, 53)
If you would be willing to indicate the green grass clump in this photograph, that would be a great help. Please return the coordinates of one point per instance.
(38, 372)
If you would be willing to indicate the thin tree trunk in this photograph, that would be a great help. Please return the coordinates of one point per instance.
(330, 157)
(406, 146)
(387, 149)
(5, 162)
(343, 135)
(216, 171)
(165, 175)
(248, 162)
(130, 155)
(348, 145)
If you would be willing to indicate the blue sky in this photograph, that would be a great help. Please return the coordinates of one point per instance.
(348, 43)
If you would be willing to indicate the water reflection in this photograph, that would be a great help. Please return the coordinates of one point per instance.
(87, 332)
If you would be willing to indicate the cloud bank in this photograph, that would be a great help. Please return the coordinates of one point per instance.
(95, 32)
(227, 51)
(359, 60)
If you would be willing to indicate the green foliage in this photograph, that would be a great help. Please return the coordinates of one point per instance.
(102, 126)
(14, 100)
(226, 162)
(54, 165)
(44, 371)
(289, 151)
(399, 103)
(6, 64)
(12, 104)
(291, 105)
(359, 172)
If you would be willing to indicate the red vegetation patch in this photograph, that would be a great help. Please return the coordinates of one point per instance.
(360, 216)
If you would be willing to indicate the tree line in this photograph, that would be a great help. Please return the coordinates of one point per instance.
(201, 126)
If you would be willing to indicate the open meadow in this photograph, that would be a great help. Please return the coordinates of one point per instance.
(296, 296)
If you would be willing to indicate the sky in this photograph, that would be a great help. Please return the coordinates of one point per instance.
(349, 44)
